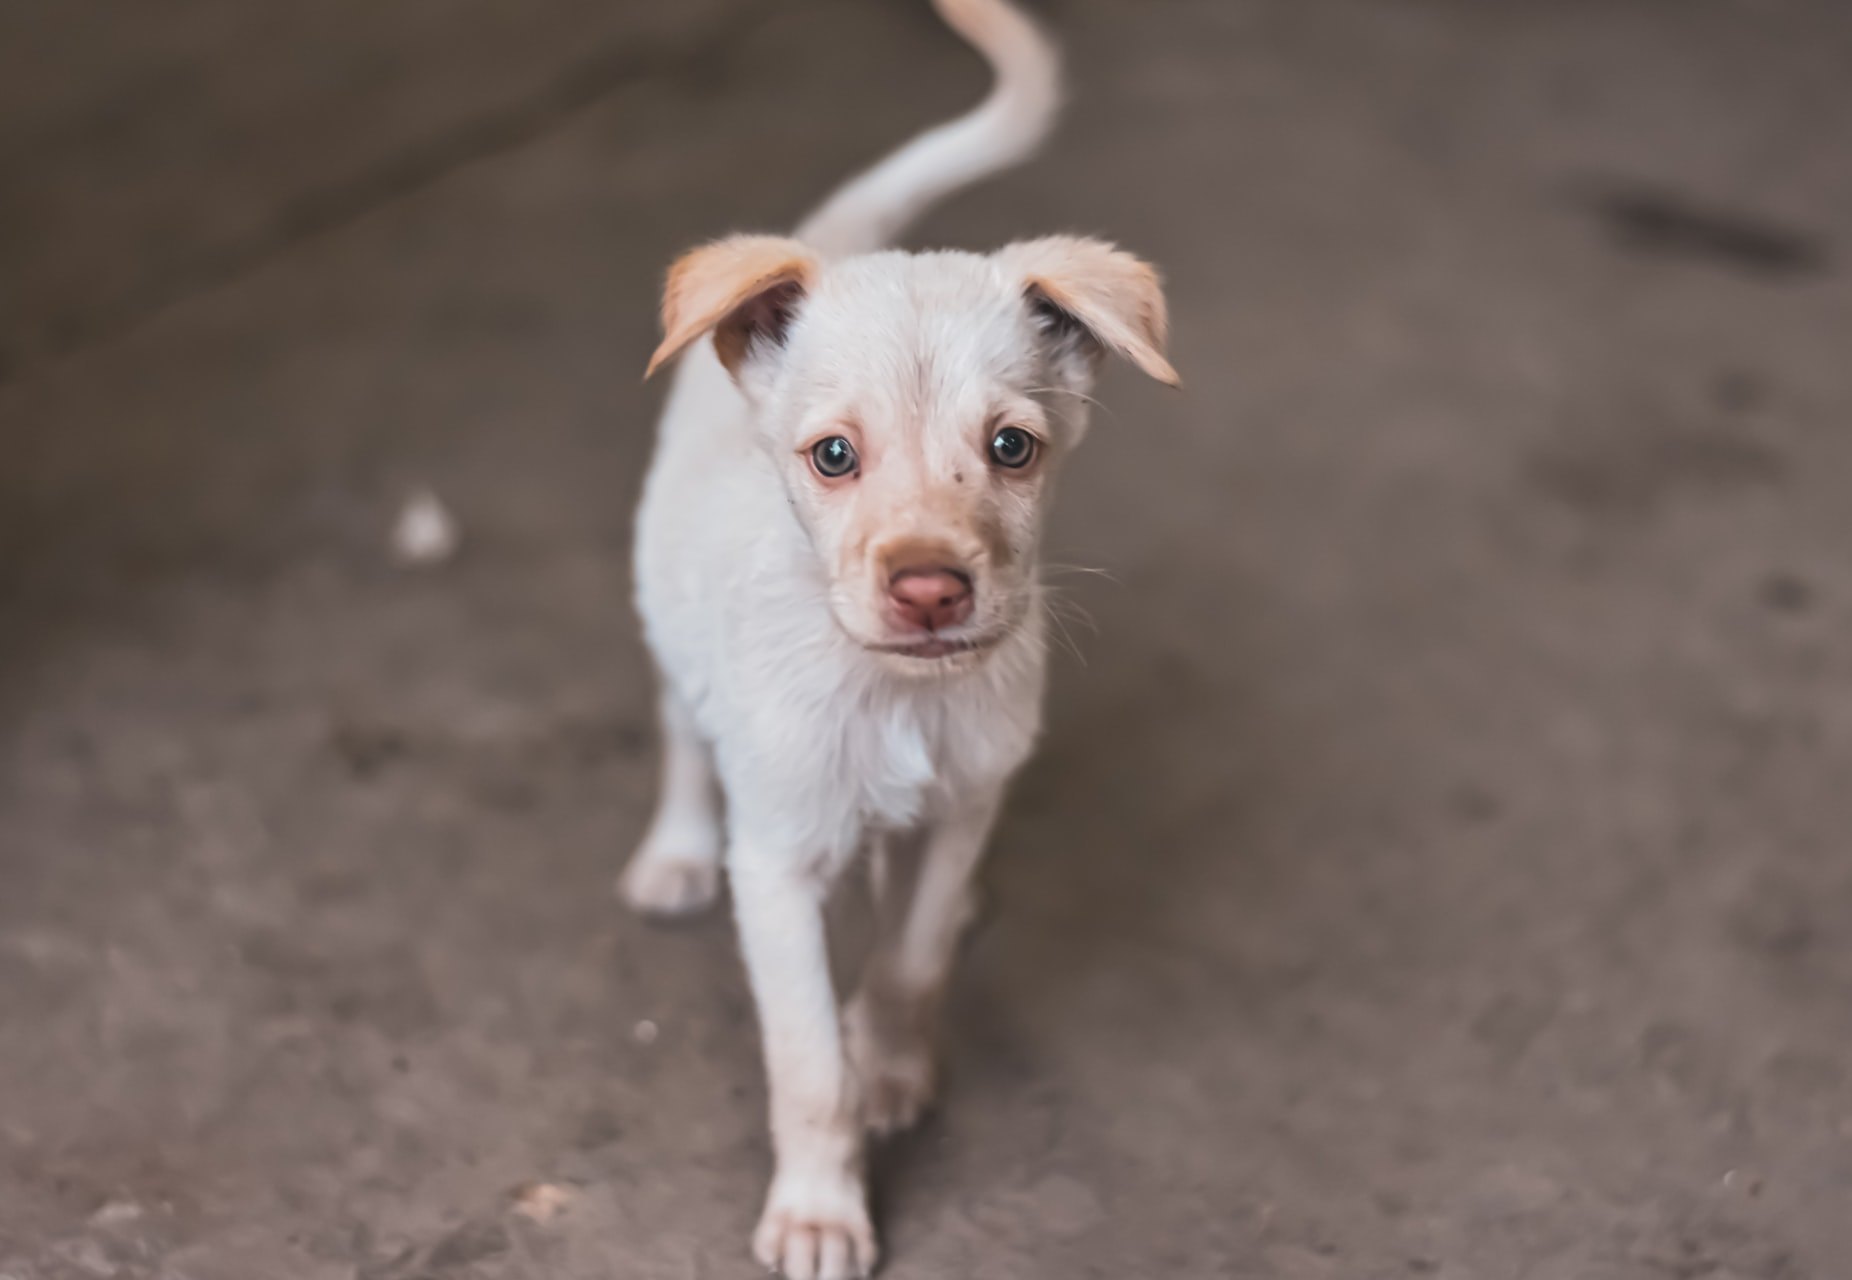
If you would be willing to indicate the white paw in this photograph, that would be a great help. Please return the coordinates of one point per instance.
(894, 1069)
(816, 1229)
(664, 885)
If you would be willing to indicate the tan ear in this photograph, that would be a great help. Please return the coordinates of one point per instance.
(740, 289)
(1115, 296)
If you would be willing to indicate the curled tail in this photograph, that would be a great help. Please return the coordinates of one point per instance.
(870, 210)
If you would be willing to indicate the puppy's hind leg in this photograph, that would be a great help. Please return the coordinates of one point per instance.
(676, 870)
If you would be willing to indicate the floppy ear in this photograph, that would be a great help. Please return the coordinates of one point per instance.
(743, 289)
(1115, 298)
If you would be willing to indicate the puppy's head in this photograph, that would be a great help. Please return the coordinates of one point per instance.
(915, 408)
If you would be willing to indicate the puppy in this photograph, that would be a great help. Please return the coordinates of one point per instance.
(836, 566)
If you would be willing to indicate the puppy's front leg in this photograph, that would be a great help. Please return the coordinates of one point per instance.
(816, 1215)
(891, 1019)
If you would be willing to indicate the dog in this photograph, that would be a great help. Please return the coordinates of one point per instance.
(836, 569)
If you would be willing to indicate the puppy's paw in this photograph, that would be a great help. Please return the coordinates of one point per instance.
(897, 1096)
(894, 1067)
(816, 1228)
(669, 886)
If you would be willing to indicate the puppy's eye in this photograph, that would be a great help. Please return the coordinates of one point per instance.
(833, 458)
(1013, 447)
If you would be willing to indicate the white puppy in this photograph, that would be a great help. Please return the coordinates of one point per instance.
(837, 572)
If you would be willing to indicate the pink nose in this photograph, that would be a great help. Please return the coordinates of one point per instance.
(931, 599)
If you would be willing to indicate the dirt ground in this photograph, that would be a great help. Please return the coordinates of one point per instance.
(1437, 867)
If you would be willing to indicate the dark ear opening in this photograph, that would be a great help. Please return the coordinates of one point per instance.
(1070, 343)
(1116, 298)
(744, 290)
(759, 323)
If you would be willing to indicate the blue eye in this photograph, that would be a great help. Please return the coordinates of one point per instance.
(1013, 447)
(833, 458)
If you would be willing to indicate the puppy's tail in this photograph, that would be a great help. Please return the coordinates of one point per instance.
(873, 208)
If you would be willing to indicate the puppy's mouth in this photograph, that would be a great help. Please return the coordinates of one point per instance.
(935, 648)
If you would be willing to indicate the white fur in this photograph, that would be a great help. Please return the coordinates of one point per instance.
(763, 590)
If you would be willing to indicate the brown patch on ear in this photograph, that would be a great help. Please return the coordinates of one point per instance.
(1117, 297)
(738, 288)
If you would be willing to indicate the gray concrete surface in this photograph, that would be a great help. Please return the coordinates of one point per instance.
(1438, 866)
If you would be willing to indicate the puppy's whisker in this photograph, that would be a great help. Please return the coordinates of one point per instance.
(1061, 630)
(1073, 611)
(1054, 595)
(1070, 391)
(1107, 574)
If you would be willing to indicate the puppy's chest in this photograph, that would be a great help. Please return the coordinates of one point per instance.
(899, 759)
(892, 760)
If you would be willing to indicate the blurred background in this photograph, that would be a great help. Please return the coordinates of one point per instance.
(1436, 867)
